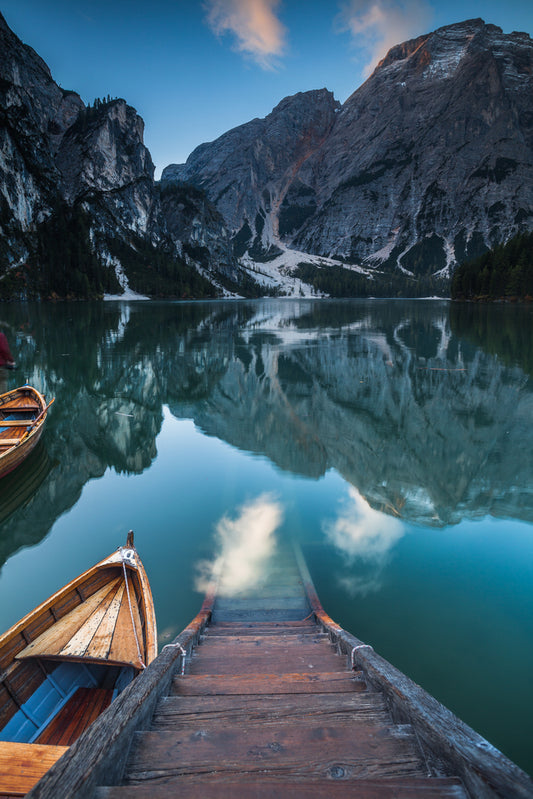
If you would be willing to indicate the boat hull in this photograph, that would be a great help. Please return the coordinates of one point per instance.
(17, 440)
(75, 651)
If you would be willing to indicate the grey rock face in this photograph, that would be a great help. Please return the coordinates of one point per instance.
(34, 112)
(195, 230)
(248, 171)
(53, 148)
(103, 161)
(428, 161)
(440, 152)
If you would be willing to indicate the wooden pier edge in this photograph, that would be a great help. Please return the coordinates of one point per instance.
(98, 756)
(486, 772)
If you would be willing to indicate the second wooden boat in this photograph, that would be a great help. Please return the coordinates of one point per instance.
(64, 663)
(23, 414)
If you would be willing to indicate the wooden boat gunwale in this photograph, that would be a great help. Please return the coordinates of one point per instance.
(79, 705)
(19, 448)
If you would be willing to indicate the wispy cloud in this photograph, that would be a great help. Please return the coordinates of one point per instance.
(364, 536)
(377, 25)
(258, 31)
(245, 546)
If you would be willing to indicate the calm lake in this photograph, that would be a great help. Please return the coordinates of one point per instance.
(393, 438)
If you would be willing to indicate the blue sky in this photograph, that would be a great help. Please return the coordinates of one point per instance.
(196, 68)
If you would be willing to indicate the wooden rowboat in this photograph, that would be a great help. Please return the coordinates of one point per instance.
(64, 663)
(23, 414)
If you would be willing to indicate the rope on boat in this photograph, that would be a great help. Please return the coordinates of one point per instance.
(183, 653)
(359, 646)
(139, 655)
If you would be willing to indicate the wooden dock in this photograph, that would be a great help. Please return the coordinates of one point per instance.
(273, 699)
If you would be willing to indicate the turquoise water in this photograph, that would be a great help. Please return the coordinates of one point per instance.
(393, 440)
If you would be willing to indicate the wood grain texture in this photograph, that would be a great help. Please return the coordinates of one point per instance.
(180, 712)
(22, 765)
(100, 643)
(123, 648)
(79, 712)
(53, 641)
(291, 750)
(272, 661)
(298, 683)
(81, 640)
(241, 630)
(246, 644)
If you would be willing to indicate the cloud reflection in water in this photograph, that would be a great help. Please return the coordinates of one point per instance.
(364, 536)
(245, 546)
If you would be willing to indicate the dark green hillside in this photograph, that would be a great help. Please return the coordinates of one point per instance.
(62, 263)
(338, 281)
(506, 272)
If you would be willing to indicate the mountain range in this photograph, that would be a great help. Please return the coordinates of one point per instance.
(428, 163)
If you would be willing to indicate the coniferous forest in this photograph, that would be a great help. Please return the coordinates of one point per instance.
(506, 272)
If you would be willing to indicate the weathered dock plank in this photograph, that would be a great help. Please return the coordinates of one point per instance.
(292, 751)
(275, 658)
(174, 712)
(254, 629)
(300, 683)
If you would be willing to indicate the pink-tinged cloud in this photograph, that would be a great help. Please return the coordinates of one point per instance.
(377, 25)
(258, 31)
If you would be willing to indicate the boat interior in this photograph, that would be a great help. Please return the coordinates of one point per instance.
(15, 416)
(71, 696)
(69, 662)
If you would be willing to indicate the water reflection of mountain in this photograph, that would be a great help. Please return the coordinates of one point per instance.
(400, 398)
(423, 424)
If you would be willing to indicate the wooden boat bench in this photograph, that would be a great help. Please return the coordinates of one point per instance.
(9, 442)
(19, 406)
(21, 765)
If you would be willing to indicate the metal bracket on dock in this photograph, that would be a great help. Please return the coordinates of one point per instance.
(359, 646)
(183, 653)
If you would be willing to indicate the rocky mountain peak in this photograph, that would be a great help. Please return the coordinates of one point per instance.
(429, 161)
(248, 171)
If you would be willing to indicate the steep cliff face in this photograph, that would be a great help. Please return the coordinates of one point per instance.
(427, 162)
(62, 162)
(196, 231)
(440, 155)
(102, 159)
(34, 113)
(251, 171)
